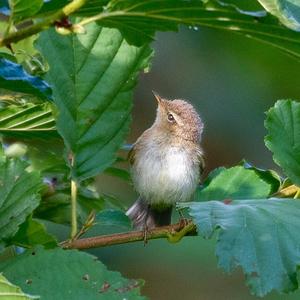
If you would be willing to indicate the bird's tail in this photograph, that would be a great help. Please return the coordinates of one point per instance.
(144, 216)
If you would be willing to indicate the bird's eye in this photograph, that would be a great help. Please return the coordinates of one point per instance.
(171, 118)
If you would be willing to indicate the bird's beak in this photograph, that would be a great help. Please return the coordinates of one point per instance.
(157, 97)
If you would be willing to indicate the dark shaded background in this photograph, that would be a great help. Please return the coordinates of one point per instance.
(232, 81)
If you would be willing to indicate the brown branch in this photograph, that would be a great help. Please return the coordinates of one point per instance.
(174, 233)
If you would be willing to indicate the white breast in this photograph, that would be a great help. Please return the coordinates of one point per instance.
(165, 176)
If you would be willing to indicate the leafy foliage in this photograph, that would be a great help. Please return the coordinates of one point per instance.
(32, 233)
(24, 9)
(110, 221)
(85, 277)
(56, 206)
(254, 234)
(19, 195)
(94, 99)
(13, 77)
(92, 77)
(138, 20)
(28, 121)
(236, 183)
(283, 139)
(9, 291)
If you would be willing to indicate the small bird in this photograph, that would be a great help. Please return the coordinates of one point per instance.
(166, 163)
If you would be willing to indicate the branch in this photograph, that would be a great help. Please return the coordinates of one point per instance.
(174, 233)
(43, 24)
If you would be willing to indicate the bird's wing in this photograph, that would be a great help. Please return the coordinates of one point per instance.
(131, 155)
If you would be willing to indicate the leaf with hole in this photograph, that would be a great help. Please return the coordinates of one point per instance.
(8, 291)
(84, 277)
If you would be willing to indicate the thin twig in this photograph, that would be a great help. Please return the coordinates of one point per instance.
(174, 233)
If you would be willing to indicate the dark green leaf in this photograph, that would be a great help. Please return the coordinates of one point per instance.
(113, 202)
(19, 195)
(56, 206)
(68, 275)
(27, 121)
(113, 217)
(118, 172)
(138, 21)
(235, 183)
(8, 291)
(93, 92)
(283, 139)
(260, 236)
(32, 233)
(20, 9)
(14, 78)
(287, 11)
(269, 176)
(110, 221)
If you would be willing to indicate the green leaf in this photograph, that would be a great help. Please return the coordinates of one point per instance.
(283, 139)
(9, 291)
(110, 221)
(93, 92)
(56, 206)
(261, 236)
(84, 277)
(32, 233)
(234, 183)
(27, 121)
(138, 21)
(118, 172)
(14, 78)
(21, 9)
(287, 11)
(269, 176)
(19, 195)
(113, 217)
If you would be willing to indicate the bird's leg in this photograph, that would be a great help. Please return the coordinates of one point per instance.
(145, 227)
(182, 219)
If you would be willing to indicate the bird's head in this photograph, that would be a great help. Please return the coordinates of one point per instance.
(179, 118)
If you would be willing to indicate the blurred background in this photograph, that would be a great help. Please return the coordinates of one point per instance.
(232, 81)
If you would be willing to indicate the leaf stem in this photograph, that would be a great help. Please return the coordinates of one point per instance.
(43, 24)
(173, 233)
(73, 209)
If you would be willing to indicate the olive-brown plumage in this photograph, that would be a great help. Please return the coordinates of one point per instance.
(166, 163)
